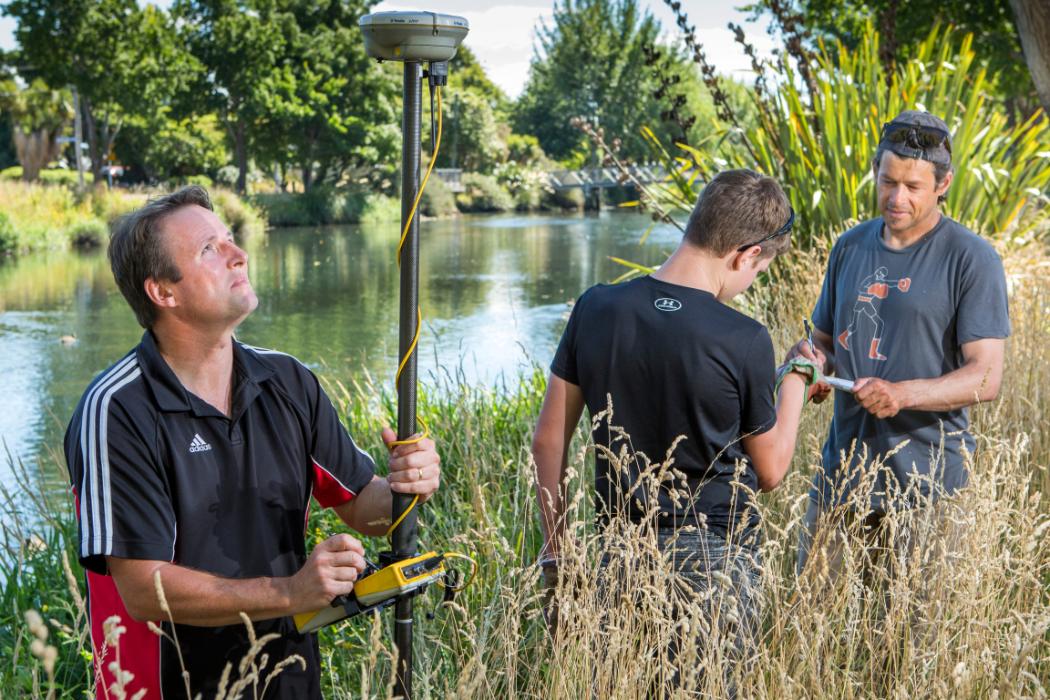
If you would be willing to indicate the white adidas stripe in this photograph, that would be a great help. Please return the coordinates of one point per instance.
(95, 500)
(89, 477)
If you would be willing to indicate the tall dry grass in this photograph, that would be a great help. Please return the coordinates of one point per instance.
(929, 626)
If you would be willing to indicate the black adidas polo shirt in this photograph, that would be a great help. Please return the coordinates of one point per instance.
(160, 474)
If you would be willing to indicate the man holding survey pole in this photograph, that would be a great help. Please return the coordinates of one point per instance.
(913, 312)
(194, 460)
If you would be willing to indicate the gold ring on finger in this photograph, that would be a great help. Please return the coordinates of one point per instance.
(419, 474)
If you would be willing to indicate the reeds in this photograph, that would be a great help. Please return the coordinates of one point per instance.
(928, 625)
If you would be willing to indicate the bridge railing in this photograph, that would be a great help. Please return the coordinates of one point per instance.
(589, 178)
(453, 177)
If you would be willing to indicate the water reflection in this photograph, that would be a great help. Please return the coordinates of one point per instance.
(494, 294)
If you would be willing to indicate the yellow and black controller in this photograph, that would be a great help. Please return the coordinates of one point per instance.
(377, 588)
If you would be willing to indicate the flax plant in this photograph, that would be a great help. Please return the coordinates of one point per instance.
(819, 143)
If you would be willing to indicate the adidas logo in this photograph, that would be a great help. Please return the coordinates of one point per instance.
(198, 444)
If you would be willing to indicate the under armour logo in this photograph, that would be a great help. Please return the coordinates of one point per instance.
(667, 304)
(198, 444)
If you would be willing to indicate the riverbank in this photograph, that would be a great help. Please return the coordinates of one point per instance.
(54, 217)
(987, 628)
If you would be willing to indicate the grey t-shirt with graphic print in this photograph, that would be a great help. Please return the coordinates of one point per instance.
(899, 315)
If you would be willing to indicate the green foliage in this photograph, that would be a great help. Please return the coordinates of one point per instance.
(242, 218)
(44, 217)
(88, 234)
(292, 84)
(567, 199)
(471, 137)
(527, 186)
(483, 193)
(465, 73)
(63, 176)
(438, 198)
(122, 59)
(588, 65)
(820, 147)
(36, 107)
(8, 237)
(379, 209)
(327, 205)
(525, 150)
(904, 25)
(166, 149)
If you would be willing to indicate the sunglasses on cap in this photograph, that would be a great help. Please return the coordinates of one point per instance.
(786, 228)
(913, 136)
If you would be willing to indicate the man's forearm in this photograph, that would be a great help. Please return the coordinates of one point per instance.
(196, 597)
(968, 385)
(550, 467)
(370, 511)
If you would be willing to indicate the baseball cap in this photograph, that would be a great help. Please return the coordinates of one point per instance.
(919, 135)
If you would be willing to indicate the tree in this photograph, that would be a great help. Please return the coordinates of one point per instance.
(904, 24)
(163, 147)
(238, 43)
(350, 104)
(1033, 25)
(588, 64)
(292, 85)
(472, 138)
(122, 59)
(38, 116)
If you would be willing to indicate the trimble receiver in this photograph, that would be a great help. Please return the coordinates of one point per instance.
(412, 36)
(376, 589)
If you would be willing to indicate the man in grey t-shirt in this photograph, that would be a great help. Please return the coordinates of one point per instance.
(914, 311)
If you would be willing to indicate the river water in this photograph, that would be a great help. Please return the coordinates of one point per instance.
(495, 294)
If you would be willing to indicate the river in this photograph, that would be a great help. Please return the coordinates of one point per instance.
(495, 293)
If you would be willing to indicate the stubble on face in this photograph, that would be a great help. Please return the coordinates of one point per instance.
(907, 194)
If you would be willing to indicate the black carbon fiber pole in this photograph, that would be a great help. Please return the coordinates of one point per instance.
(403, 541)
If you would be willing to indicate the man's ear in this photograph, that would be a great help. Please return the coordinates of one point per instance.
(160, 292)
(945, 184)
(745, 258)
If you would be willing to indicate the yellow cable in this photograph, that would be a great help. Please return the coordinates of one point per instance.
(473, 570)
(419, 311)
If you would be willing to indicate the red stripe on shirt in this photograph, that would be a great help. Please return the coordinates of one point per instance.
(138, 649)
(327, 489)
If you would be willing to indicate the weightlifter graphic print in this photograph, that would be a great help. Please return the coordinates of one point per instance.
(873, 290)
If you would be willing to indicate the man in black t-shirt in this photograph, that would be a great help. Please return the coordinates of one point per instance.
(194, 460)
(662, 362)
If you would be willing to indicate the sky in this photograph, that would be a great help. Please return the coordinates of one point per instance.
(502, 35)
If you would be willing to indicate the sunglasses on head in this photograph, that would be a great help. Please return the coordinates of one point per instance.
(920, 137)
(786, 228)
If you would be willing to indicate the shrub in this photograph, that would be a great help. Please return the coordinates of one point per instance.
(526, 185)
(89, 234)
(284, 209)
(482, 193)
(108, 204)
(565, 199)
(438, 198)
(381, 209)
(327, 205)
(48, 177)
(8, 237)
(242, 218)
